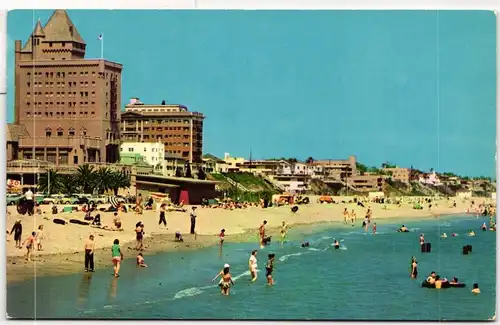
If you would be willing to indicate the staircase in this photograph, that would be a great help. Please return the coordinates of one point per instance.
(236, 184)
(272, 182)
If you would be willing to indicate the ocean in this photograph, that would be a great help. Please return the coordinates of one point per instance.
(367, 279)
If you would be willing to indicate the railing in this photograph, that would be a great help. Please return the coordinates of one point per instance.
(67, 141)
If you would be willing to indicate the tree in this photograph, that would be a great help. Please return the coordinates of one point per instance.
(309, 160)
(292, 160)
(69, 185)
(388, 165)
(362, 168)
(51, 182)
(85, 177)
(118, 180)
(103, 178)
(201, 174)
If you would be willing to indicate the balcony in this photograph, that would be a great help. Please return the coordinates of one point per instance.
(59, 142)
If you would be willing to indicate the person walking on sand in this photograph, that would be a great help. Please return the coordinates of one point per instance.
(163, 219)
(17, 229)
(30, 245)
(193, 220)
(89, 254)
(262, 233)
(252, 265)
(116, 257)
(39, 238)
(138, 204)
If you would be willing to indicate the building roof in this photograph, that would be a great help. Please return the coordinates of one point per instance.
(59, 28)
(212, 157)
(15, 131)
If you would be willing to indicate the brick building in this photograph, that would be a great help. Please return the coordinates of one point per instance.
(69, 105)
(180, 130)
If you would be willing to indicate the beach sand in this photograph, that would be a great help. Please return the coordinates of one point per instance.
(63, 244)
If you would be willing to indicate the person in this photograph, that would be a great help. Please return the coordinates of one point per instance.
(422, 239)
(140, 260)
(117, 222)
(162, 215)
(353, 217)
(336, 244)
(262, 233)
(39, 238)
(17, 229)
(193, 220)
(29, 201)
(438, 282)
(116, 257)
(226, 280)
(471, 233)
(138, 204)
(252, 265)
(454, 281)
(97, 220)
(283, 231)
(221, 236)
(346, 215)
(483, 227)
(475, 288)
(431, 278)
(139, 236)
(178, 236)
(89, 254)
(30, 245)
(374, 228)
(414, 271)
(444, 235)
(269, 269)
(305, 244)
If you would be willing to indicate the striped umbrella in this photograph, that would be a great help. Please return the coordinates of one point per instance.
(114, 201)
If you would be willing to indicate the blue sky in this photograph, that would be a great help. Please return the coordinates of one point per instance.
(412, 88)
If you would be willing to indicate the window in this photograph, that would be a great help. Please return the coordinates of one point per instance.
(71, 132)
(131, 149)
(60, 132)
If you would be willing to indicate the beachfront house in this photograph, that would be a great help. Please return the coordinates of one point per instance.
(430, 179)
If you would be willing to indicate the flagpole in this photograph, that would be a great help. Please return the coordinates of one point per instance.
(102, 46)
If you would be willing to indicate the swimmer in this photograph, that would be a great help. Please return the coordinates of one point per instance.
(422, 239)
(403, 229)
(226, 280)
(471, 233)
(454, 281)
(443, 235)
(336, 244)
(475, 288)
(431, 278)
(140, 260)
(414, 271)
(306, 244)
(283, 231)
(454, 235)
(365, 224)
(269, 269)
(483, 227)
(252, 265)
(438, 282)
(374, 228)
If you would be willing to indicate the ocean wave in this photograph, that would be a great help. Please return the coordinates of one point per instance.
(285, 257)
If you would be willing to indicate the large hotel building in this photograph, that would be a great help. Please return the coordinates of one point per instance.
(69, 106)
(180, 130)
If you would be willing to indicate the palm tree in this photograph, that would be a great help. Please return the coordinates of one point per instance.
(69, 185)
(309, 160)
(103, 179)
(118, 180)
(51, 182)
(85, 177)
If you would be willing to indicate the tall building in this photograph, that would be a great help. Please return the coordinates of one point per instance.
(180, 130)
(69, 105)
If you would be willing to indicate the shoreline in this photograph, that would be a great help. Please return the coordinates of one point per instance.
(67, 263)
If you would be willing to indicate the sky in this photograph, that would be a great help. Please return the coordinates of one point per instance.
(413, 88)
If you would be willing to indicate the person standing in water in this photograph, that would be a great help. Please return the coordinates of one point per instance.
(414, 271)
(346, 215)
(89, 254)
(283, 231)
(221, 236)
(252, 265)
(226, 281)
(270, 269)
(422, 240)
(117, 257)
(353, 217)
(262, 233)
(374, 228)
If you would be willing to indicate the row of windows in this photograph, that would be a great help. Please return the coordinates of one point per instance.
(62, 94)
(62, 74)
(57, 114)
(58, 84)
(51, 104)
(132, 149)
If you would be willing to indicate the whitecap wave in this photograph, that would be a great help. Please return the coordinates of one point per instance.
(285, 257)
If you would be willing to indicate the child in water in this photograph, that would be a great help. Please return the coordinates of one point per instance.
(475, 288)
(269, 269)
(140, 260)
(221, 235)
(374, 228)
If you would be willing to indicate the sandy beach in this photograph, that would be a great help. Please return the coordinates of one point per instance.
(63, 244)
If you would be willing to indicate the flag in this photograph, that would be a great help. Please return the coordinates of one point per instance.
(100, 37)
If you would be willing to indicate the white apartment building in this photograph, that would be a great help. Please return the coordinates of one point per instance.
(153, 152)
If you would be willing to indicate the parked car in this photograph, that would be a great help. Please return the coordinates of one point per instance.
(14, 199)
(39, 198)
(98, 199)
(53, 199)
(82, 198)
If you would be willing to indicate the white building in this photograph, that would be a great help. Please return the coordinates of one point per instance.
(153, 152)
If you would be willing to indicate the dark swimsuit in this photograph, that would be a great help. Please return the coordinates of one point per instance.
(269, 269)
(139, 235)
(415, 272)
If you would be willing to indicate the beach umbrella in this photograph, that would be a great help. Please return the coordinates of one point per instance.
(114, 201)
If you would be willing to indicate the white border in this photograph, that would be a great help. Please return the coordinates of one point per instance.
(213, 4)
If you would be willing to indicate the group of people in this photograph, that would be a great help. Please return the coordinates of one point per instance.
(32, 243)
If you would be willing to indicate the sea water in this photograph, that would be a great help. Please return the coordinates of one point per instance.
(367, 279)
